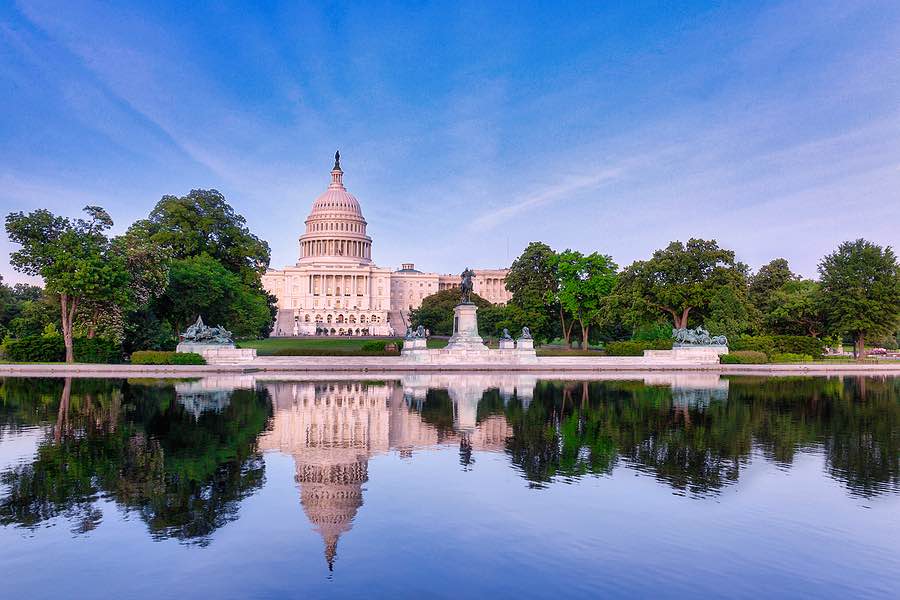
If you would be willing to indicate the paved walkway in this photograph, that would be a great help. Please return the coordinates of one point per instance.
(548, 366)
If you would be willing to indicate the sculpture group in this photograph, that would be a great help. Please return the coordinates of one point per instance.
(697, 337)
(200, 333)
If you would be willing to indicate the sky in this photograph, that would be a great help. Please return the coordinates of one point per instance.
(467, 129)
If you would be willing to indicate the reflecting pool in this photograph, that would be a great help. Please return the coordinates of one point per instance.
(449, 485)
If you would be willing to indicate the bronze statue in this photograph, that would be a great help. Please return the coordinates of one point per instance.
(466, 286)
(337, 161)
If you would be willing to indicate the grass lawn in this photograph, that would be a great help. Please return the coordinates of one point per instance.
(338, 345)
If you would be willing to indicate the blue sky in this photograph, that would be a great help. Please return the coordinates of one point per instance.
(468, 130)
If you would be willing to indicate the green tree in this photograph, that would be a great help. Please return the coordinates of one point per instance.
(533, 282)
(770, 278)
(678, 280)
(585, 281)
(795, 309)
(436, 311)
(204, 223)
(861, 291)
(201, 285)
(74, 258)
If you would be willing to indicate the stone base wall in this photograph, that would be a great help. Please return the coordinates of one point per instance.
(219, 354)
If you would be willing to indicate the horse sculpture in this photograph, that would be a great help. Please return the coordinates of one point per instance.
(466, 286)
(697, 337)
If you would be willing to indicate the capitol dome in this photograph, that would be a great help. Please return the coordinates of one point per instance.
(335, 227)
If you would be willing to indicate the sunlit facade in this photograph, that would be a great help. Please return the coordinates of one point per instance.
(336, 289)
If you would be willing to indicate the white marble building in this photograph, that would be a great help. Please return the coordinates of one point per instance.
(336, 289)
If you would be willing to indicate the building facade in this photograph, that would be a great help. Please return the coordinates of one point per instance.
(336, 289)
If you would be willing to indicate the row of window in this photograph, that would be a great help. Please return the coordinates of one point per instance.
(340, 318)
(328, 226)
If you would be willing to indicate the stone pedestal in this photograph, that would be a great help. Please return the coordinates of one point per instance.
(219, 354)
(525, 350)
(465, 330)
(415, 349)
(507, 344)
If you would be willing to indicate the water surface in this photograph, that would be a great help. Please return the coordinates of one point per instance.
(450, 485)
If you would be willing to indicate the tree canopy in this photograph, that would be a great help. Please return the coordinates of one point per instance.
(585, 281)
(533, 282)
(861, 291)
(75, 259)
(679, 280)
(203, 222)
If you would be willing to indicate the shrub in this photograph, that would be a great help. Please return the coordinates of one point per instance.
(780, 344)
(799, 344)
(35, 348)
(653, 332)
(163, 357)
(333, 352)
(790, 357)
(151, 357)
(744, 357)
(636, 347)
(97, 350)
(373, 346)
(187, 358)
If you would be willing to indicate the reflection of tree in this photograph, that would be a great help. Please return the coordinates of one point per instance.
(573, 429)
(136, 445)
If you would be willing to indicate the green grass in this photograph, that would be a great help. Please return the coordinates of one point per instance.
(338, 345)
(567, 352)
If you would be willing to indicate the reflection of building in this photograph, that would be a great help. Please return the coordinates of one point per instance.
(332, 429)
(336, 289)
(210, 394)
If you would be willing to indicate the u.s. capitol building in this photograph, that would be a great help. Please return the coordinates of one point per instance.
(335, 289)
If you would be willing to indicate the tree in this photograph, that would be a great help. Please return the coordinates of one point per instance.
(767, 280)
(861, 291)
(678, 280)
(74, 258)
(795, 309)
(532, 280)
(147, 264)
(204, 223)
(584, 284)
(436, 311)
(201, 285)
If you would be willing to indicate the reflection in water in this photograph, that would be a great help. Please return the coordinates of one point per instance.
(183, 474)
(183, 456)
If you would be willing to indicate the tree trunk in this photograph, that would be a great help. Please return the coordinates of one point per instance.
(584, 335)
(562, 321)
(684, 317)
(67, 314)
(62, 415)
(861, 346)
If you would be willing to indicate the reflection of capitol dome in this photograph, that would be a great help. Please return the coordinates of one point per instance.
(336, 228)
(332, 429)
(330, 496)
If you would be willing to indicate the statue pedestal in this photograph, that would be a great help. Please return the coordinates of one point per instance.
(507, 344)
(465, 330)
(525, 350)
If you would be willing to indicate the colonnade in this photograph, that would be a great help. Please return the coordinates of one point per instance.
(337, 247)
(339, 285)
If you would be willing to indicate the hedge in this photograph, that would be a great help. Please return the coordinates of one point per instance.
(52, 348)
(162, 357)
(636, 347)
(744, 357)
(331, 352)
(789, 357)
(96, 350)
(780, 344)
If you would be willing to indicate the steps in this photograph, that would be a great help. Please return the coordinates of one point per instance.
(398, 321)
